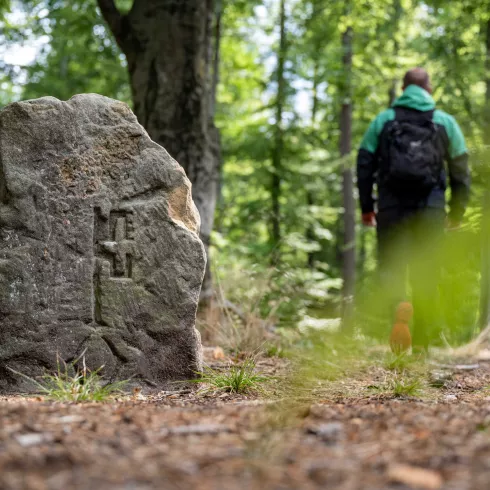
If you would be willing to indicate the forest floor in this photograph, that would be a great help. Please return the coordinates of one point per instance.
(372, 430)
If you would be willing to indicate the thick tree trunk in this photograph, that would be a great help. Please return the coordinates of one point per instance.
(215, 56)
(485, 272)
(215, 78)
(277, 151)
(349, 248)
(167, 44)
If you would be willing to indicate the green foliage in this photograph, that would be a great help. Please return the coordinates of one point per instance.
(275, 350)
(69, 384)
(238, 379)
(5, 7)
(78, 54)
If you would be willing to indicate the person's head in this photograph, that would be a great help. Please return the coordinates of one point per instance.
(419, 77)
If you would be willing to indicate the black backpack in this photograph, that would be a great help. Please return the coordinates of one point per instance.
(413, 161)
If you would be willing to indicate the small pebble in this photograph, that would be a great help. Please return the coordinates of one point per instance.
(329, 432)
(32, 439)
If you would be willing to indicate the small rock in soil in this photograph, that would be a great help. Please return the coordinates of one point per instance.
(329, 432)
(450, 398)
(33, 439)
(199, 429)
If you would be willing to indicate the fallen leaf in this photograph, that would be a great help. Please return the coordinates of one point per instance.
(218, 353)
(415, 477)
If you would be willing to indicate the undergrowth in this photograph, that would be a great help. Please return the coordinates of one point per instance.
(237, 379)
(405, 387)
(82, 386)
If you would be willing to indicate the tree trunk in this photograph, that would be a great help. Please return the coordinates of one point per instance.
(167, 44)
(277, 151)
(215, 78)
(310, 233)
(215, 56)
(487, 81)
(310, 198)
(349, 242)
(361, 266)
(398, 11)
(392, 92)
(485, 271)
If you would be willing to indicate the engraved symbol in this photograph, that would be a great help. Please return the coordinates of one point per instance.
(114, 242)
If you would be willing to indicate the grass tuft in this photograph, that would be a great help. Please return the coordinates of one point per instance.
(83, 386)
(275, 350)
(237, 379)
(398, 362)
(400, 387)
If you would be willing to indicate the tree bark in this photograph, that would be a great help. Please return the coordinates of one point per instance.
(397, 14)
(487, 78)
(392, 92)
(310, 198)
(216, 54)
(215, 78)
(277, 151)
(485, 267)
(349, 242)
(167, 44)
(361, 264)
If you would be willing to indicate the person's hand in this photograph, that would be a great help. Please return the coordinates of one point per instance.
(369, 219)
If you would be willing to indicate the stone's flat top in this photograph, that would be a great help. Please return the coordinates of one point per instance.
(99, 246)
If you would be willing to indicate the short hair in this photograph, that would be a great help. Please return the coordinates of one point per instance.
(417, 76)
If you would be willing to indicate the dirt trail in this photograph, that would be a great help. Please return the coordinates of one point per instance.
(181, 441)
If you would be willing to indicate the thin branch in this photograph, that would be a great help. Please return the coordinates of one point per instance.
(114, 19)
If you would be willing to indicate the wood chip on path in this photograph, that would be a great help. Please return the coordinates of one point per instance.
(415, 477)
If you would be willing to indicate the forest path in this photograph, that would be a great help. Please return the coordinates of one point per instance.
(344, 438)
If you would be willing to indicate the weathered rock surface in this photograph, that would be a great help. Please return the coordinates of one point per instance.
(99, 246)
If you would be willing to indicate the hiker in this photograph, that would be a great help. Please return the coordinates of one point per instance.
(404, 152)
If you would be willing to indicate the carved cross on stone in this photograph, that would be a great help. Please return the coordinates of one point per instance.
(120, 245)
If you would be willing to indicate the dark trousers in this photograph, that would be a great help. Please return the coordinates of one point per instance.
(410, 241)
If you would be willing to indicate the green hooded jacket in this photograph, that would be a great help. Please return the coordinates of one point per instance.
(415, 98)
